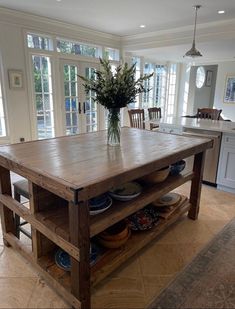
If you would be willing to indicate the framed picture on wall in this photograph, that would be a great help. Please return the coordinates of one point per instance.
(208, 78)
(229, 93)
(15, 79)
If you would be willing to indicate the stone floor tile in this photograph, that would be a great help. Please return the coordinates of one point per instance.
(16, 292)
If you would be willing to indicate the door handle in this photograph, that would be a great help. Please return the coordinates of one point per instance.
(79, 108)
(84, 107)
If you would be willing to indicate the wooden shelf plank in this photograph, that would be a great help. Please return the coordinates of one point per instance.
(57, 220)
(113, 258)
(116, 257)
(121, 210)
(47, 228)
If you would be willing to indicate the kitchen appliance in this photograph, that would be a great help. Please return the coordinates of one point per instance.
(212, 154)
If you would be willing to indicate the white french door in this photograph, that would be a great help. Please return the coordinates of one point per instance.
(82, 114)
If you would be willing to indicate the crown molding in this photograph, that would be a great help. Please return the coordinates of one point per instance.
(178, 36)
(54, 26)
(222, 23)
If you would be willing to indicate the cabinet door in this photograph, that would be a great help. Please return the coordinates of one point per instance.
(226, 175)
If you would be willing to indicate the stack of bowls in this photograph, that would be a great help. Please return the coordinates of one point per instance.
(115, 236)
(99, 204)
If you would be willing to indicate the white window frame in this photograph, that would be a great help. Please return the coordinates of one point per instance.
(4, 139)
(55, 58)
(32, 107)
(175, 103)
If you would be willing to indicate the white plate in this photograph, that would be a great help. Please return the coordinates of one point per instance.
(124, 197)
(133, 186)
(96, 212)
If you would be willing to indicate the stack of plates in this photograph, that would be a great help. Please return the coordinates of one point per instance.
(143, 219)
(126, 192)
(169, 199)
(63, 260)
(168, 204)
(99, 204)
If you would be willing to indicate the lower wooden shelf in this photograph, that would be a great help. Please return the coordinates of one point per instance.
(113, 258)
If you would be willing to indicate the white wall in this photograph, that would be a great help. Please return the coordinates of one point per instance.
(14, 55)
(204, 96)
(183, 90)
(224, 69)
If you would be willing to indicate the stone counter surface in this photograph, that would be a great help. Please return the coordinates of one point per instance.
(201, 124)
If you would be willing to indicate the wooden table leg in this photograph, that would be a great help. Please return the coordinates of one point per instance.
(196, 185)
(80, 237)
(7, 216)
(41, 245)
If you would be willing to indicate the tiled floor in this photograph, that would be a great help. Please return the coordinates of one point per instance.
(139, 280)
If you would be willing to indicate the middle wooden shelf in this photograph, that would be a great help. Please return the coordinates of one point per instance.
(57, 218)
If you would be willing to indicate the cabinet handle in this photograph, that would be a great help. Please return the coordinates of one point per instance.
(79, 108)
(84, 107)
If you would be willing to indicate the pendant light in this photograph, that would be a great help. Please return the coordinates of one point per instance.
(193, 52)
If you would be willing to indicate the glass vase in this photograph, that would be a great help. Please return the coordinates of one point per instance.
(114, 127)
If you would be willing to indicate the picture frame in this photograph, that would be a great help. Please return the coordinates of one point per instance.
(209, 75)
(15, 79)
(229, 92)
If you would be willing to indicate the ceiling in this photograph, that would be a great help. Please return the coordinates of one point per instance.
(212, 52)
(123, 18)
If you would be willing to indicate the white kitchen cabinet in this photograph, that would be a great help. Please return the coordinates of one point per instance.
(226, 172)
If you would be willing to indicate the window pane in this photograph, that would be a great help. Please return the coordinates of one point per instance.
(71, 98)
(43, 96)
(39, 42)
(67, 47)
(74, 104)
(74, 119)
(111, 54)
(68, 120)
(39, 103)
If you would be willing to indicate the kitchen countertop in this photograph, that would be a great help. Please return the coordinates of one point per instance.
(202, 124)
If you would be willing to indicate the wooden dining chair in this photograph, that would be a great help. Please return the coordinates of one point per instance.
(154, 113)
(136, 117)
(209, 113)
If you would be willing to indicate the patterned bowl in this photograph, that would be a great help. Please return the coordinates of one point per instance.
(143, 219)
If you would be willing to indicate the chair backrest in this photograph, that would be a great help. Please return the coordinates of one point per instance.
(154, 112)
(136, 118)
(209, 113)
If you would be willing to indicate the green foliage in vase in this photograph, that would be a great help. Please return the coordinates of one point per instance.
(115, 89)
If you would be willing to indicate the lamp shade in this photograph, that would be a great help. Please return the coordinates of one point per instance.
(193, 52)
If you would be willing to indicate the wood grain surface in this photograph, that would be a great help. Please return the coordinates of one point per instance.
(81, 161)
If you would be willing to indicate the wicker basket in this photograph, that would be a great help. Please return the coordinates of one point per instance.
(156, 176)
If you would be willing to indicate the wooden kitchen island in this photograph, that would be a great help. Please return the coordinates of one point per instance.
(64, 173)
